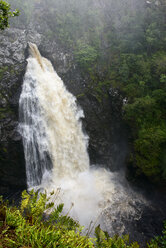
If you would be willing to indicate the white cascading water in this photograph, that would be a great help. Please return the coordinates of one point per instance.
(56, 148)
(33, 129)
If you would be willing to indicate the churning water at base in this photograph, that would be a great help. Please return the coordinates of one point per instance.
(56, 150)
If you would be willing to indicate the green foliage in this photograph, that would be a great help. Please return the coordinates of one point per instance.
(32, 225)
(85, 55)
(103, 240)
(2, 71)
(148, 150)
(149, 132)
(5, 14)
(160, 241)
(135, 112)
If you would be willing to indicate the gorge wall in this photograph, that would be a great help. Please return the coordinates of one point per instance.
(108, 143)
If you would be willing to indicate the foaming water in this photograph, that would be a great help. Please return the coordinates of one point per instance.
(56, 148)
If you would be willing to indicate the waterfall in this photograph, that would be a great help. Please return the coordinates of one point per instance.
(33, 128)
(55, 147)
(50, 123)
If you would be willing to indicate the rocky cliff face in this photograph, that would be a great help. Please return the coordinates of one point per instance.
(102, 122)
(13, 43)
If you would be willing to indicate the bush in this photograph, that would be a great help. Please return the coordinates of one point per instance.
(38, 223)
(85, 55)
(5, 14)
(159, 242)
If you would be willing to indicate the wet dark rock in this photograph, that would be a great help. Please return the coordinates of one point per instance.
(13, 44)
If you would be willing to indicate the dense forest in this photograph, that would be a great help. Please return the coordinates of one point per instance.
(119, 45)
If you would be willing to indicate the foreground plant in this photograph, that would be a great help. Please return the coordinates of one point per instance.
(30, 225)
(160, 241)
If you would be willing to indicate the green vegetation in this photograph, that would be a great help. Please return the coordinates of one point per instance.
(85, 55)
(130, 55)
(2, 71)
(159, 242)
(39, 223)
(5, 14)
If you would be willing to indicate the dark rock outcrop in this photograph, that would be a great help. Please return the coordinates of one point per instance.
(13, 53)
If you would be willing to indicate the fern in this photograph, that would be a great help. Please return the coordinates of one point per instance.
(32, 226)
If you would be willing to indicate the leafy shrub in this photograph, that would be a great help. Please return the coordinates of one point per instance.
(5, 14)
(160, 241)
(33, 225)
(85, 55)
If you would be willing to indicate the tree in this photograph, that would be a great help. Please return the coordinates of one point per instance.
(5, 14)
